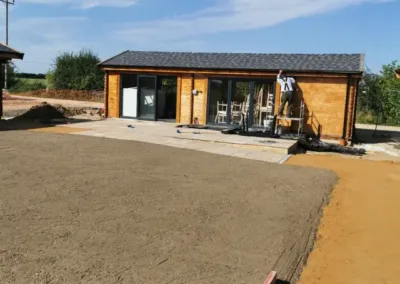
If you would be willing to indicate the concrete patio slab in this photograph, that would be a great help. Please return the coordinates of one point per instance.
(255, 148)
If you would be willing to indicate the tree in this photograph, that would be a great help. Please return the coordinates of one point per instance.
(77, 71)
(389, 86)
(12, 79)
(379, 97)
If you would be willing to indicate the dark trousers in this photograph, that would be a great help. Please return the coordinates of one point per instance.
(286, 97)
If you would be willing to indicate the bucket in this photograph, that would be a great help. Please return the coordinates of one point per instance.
(268, 123)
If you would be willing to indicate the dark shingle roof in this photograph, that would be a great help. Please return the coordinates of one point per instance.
(9, 53)
(340, 63)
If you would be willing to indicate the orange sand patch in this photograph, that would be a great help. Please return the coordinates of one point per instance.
(358, 239)
(60, 129)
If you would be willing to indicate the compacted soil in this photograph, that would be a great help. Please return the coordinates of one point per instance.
(77, 209)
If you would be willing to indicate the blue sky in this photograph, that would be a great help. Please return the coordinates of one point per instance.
(44, 28)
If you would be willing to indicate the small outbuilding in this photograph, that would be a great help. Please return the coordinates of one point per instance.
(6, 54)
(217, 88)
(398, 73)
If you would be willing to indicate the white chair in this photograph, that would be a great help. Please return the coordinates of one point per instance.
(222, 109)
(236, 113)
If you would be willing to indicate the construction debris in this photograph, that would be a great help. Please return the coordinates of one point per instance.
(316, 145)
(195, 126)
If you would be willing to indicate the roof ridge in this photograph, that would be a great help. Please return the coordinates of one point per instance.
(108, 59)
(213, 52)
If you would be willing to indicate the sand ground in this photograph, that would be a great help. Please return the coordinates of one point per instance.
(358, 240)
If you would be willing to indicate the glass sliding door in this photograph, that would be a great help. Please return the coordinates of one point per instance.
(240, 101)
(166, 98)
(263, 108)
(230, 100)
(218, 101)
(147, 106)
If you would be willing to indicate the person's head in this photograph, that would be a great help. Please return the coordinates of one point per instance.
(284, 74)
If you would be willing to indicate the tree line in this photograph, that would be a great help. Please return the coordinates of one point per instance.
(70, 71)
(379, 96)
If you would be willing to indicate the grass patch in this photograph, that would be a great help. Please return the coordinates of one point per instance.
(365, 117)
(27, 85)
(34, 81)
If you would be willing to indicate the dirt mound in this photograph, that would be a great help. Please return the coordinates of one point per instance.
(45, 111)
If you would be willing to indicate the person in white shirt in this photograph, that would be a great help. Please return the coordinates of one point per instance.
(287, 87)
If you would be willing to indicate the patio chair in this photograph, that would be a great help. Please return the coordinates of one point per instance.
(236, 112)
(222, 109)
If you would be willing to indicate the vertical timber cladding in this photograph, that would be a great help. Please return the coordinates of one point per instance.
(186, 97)
(113, 95)
(193, 106)
(325, 100)
(200, 100)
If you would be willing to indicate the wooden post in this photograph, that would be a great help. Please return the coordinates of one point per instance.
(178, 99)
(2, 64)
(105, 94)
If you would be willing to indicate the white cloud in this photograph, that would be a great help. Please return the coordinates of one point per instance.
(42, 39)
(86, 4)
(228, 16)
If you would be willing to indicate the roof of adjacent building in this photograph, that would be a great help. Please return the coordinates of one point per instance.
(337, 63)
(7, 52)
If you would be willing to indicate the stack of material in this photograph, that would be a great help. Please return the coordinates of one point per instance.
(319, 146)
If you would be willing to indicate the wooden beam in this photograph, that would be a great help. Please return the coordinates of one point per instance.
(1, 88)
(178, 99)
(106, 94)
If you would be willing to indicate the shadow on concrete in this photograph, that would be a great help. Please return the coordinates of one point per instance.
(370, 136)
(26, 124)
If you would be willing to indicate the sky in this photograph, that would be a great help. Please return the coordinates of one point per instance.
(42, 29)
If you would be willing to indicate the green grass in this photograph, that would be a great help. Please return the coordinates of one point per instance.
(31, 80)
(365, 117)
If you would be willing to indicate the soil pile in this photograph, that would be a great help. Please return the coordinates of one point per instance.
(45, 111)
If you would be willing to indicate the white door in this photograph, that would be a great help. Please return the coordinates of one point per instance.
(129, 102)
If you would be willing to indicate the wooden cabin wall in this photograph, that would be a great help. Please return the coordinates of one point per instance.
(324, 97)
(193, 106)
(113, 95)
(325, 101)
(186, 97)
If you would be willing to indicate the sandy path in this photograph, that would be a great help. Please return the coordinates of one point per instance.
(77, 209)
(359, 235)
